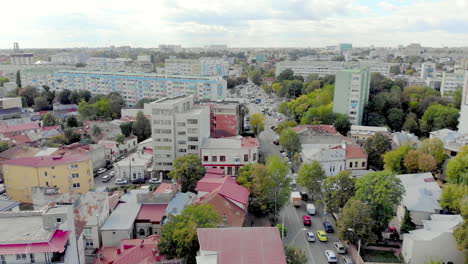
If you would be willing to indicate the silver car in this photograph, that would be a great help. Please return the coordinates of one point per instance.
(346, 260)
(310, 236)
(331, 257)
(340, 249)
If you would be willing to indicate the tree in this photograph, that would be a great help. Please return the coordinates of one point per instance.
(126, 128)
(285, 125)
(56, 141)
(74, 97)
(453, 196)
(63, 96)
(457, 168)
(87, 111)
(282, 229)
(435, 148)
(84, 95)
(375, 147)
(337, 190)
(310, 175)
(49, 120)
(18, 79)
(407, 224)
(41, 104)
(411, 161)
(294, 255)
(382, 191)
(4, 146)
(28, 94)
(141, 103)
(426, 163)
(411, 124)
(262, 191)
(188, 170)
(287, 74)
(394, 160)
(246, 176)
(179, 235)
(256, 77)
(311, 86)
(96, 131)
(72, 121)
(3, 80)
(342, 123)
(142, 128)
(258, 123)
(438, 117)
(357, 216)
(278, 170)
(120, 139)
(395, 119)
(290, 141)
(71, 136)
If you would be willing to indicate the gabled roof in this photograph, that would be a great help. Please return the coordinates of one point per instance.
(152, 212)
(259, 245)
(353, 152)
(55, 244)
(422, 193)
(320, 129)
(20, 139)
(42, 161)
(18, 128)
(225, 186)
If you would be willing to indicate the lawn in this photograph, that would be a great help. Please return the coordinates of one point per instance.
(380, 256)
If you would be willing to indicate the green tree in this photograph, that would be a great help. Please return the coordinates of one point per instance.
(407, 224)
(411, 161)
(438, 117)
(453, 195)
(382, 191)
(294, 255)
(282, 229)
(411, 124)
(104, 109)
(287, 74)
(72, 121)
(337, 190)
(375, 147)
(71, 136)
(49, 120)
(74, 97)
(41, 104)
(28, 94)
(56, 141)
(263, 201)
(246, 176)
(256, 77)
(435, 148)
(3, 80)
(179, 235)
(285, 125)
(395, 119)
(310, 177)
(342, 123)
(357, 216)
(141, 103)
(278, 170)
(4, 146)
(311, 86)
(426, 163)
(63, 96)
(189, 170)
(126, 128)
(258, 123)
(394, 160)
(457, 98)
(290, 141)
(457, 168)
(142, 128)
(18, 79)
(120, 139)
(87, 111)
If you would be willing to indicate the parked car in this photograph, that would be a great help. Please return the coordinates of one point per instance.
(112, 173)
(120, 181)
(346, 260)
(322, 236)
(328, 227)
(305, 196)
(331, 257)
(276, 142)
(106, 178)
(310, 236)
(155, 181)
(339, 247)
(273, 127)
(306, 220)
(101, 170)
(139, 181)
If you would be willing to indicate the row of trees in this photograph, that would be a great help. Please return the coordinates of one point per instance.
(102, 107)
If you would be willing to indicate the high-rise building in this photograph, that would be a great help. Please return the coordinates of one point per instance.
(352, 93)
(428, 70)
(178, 128)
(463, 121)
(451, 82)
(200, 67)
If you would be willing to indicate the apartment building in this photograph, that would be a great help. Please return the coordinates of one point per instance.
(69, 58)
(463, 120)
(428, 70)
(364, 132)
(306, 67)
(451, 82)
(179, 128)
(200, 67)
(22, 58)
(71, 174)
(229, 154)
(352, 93)
(118, 65)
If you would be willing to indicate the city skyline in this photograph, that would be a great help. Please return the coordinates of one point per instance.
(300, 23)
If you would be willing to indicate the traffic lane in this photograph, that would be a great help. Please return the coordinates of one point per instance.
(99, 181)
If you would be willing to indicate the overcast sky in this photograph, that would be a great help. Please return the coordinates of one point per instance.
(237, 23)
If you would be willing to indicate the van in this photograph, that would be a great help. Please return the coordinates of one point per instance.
(310, 209)
(340, 249)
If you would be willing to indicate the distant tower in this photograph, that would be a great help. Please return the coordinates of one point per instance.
(463, 120)
(15, 47)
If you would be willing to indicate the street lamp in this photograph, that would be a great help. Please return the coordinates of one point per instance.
(359, 243)
(298, 232)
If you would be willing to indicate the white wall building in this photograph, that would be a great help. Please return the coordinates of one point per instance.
(364, 132)
(434, 242)
(332, 158)
(22, 58)
(229, 154)
(451, 82)
(463, 120)
(94, 209)
(178, 128)
(135, 166)
(428, 70)
(69, 58)
(200, 67)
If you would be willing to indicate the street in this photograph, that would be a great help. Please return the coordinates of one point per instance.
(315, 251)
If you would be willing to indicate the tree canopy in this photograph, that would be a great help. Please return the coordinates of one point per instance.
(375, 147)
(357, 216)
(290, 141)
(188, 170)
(310, 177)
(258, 123)
(337, 190)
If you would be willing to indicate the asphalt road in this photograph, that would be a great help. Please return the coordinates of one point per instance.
(98, 180)
(315, 251)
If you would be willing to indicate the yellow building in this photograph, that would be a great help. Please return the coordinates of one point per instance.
(71, 174)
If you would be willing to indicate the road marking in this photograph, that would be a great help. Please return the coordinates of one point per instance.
(311, 257)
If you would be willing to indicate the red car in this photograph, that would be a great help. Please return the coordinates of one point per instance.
(306, 220)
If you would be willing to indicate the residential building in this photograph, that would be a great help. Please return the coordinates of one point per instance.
(362, 133)
(69, 58)
(169, 48)
(413, 49)
(71, 174)
(225, 118)
(451, 82)
(403, 137)
(319, 135)
(216, 47)
(115, 149)
(260, 245)
(179, 202)
(463, 120)
(421, 198)
(22, 58)
(356, 157)
(435, 241)
(150, 219)
(229, 154)
(428, 70)
(178, 129)
(19, 129)
(352, 93)
(104, 64)
(197, 67)
(453, 140)
(43, 236)
(136, 166)
(331, 158)
(94, 209)
(10, 102)
(95, 151)
(228, 198)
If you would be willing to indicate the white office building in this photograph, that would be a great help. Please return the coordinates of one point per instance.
(179, 128)
(451, 82)
(200, 67)
(463, 120)
(306, 67)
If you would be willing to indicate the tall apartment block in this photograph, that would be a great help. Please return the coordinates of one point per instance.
(451, 82)
(178, 128)
(463, 120)
(428, 70)
(200, 67)
(352, 93)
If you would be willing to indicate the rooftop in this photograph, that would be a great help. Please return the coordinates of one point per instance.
(56, 243)
(321, 129)
(18, 128)
(353, 152)
(225, 186)
(178, 203)
(422, 193)
(149, 75)
(437, 225)
(166, 188)
(6, 204)
(136, 159)
(368, 128)
(152, 212)
(260, 245)
(46, 161)
(236, 142)
(124, 215)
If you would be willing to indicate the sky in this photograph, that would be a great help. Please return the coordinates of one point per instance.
(236, 23)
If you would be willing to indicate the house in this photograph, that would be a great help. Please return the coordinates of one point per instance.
(421, 198)
(453, 140)
(331, 158)
(234, 245)
(230, 153)
(179, 202)
(71, 174)
(94, 210)
(362, 133)
(435, 241)
(42, 236)
(225, 118)
(356, 157)
(114, 149)
(318, 134)
(230, 199)
(134, 251)
(403, 137)
(108, 130)
(136, 166)
(149, 220)
(96, 152)
(19, 129)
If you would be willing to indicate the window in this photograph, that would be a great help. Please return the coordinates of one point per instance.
(351, 164)
(88, 231)
(76, 185)
(254, 157)
(74, 166)
(229, 171)
(2, 259)
(363, 164)
(246, 157)
(355, 164)
(75, 175)
(193, 139)
(205, 158)
(221, 168)
(180, 124)
(182, 150)
(222, 158)
(53, 167)
(214, 158)
(58, 220)
(181, 133)
(21, 256)
(32, 259)
(141, 232)
(193, 147)
(45, 173)
(192, 121)
(89, 243)
(192, 130)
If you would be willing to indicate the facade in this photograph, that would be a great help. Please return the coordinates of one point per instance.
(463, 120)
(331, 158)
(356, 157)
(71, 174)
(118, 65)
(22, 58)
(12, 102)
(95, 151)
(200, 67)
(225, 119)
(229, 154)
(43, 236)
(428, 70)
(136, 166)
(435, 241)
(451, 82)
(365, 132)
(322, 68)
(69, 58)
(178, 129)
(352, 93)
(94, 209)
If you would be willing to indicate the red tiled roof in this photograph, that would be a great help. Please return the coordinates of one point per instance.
(225, 126)
(329, 129)
(259, 245)
(165, 188)
(225, 186)
(18, 128)
(50, 128)
(46, 161)
(152, 212)
(249, 142)
(234, 214)
(355, 152)
(214, 171)
(20, 139)
(55, 244)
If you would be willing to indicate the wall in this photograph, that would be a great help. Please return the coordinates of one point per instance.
(359, 164)
(112, 238)
(442, 247)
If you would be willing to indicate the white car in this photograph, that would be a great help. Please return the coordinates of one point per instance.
(121, 181)
(331, 257)
(106, 178)
(340, 249)
(155, 181)
(101, 170)
(112, 173)
(310, 236)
